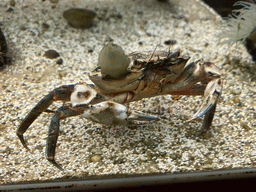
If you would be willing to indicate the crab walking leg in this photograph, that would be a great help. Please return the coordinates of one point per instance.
(208, 117)
(33, 114)
(211, 95)
(52, 138)
(61, 93)
(53, 133)
(107, 112)
(199, 89)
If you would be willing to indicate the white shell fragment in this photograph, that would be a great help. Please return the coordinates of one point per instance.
(113, 61)
(82, 95)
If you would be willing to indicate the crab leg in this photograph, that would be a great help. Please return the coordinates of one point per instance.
(208, 117)
(61, 93)
(107, 112)
(211, 95)
(33, 114)
(53, 133)
(52, 138)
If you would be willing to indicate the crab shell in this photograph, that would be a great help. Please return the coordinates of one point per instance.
(142, 64)
(113, 61)
(129, 81)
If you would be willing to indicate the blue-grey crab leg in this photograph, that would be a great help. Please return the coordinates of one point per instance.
(199, 78)
(211, 95)
(208, 117)
(53, 133)
(208, 107)
(32, 115)
(52, 138)
(61, 93)
(107, 112)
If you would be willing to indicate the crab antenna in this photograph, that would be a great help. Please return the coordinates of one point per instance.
(152, 54)
(169, 51)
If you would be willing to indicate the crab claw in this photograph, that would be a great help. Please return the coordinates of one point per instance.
(211, 95)
(138, 116)
(113, 113)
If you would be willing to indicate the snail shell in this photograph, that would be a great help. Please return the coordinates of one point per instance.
(113, 61)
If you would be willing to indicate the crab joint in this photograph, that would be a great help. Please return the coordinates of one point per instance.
(63, 93)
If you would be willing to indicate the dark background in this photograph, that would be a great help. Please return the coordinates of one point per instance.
(224, 7)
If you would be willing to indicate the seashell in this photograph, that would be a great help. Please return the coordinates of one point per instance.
(113, 61)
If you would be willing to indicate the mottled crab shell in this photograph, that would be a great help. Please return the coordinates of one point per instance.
(113, 61)
(82, 95)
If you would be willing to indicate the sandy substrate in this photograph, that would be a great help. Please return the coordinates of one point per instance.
(87, 149)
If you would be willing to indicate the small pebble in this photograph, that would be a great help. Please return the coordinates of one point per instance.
(245, 126)
(236, 91)
(23, 28)
(54, 1)
(59, 61)
(173, 156)
(170, 42)
(176, 97)
(45, 26)
(79, 18)
(236, 100)
(96, 158)
(51, 54)
(10, 9)
(12, 3)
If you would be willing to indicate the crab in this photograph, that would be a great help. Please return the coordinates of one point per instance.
(106, 100)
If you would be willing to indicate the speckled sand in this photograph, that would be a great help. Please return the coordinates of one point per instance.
(87, 149)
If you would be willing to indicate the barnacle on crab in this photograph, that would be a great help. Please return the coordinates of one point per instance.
(241, 26)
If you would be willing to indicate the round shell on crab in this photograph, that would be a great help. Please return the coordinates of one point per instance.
(113, 61)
